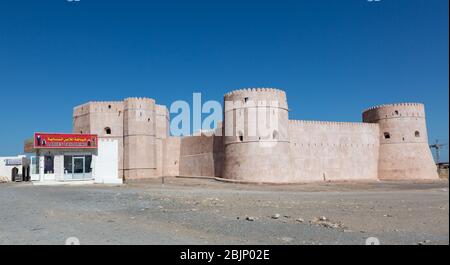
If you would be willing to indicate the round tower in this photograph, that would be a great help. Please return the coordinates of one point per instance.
(256, 138)
(139, 138)
(404, 150)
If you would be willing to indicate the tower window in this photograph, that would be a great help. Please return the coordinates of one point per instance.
(246, 99)
(417, 133)
(275, 135)
(396, 112)
(109, 106)
(108, 130)
(241, 137)
(387, 135)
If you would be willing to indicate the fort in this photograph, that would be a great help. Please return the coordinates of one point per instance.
(390, 143)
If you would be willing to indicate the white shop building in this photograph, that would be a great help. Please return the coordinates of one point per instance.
(14, 168)
(74, 157)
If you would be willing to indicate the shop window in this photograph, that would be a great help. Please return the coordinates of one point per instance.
(387, 135)
(417, 133)
(68, 164)
(35, 165)
(69, 167)
(87, 164)
(108, 130)
(48, 165)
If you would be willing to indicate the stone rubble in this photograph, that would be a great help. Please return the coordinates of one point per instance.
(325, 222)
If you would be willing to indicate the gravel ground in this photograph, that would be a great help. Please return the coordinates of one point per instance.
(201, 211)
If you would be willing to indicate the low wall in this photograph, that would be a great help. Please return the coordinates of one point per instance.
(193, 156)
(334, 151)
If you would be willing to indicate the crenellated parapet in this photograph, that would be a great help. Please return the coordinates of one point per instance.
(399, 123)
(139, 103)
(81, 110)
(332, 123)
(397, 110)
(98, 107)
(250, 97)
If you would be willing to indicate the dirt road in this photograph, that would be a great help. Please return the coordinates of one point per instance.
(194, 211)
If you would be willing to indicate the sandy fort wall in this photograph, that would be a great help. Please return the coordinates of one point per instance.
(330, 151)
(171, 154)
(162, 132)
(104, 119)
(390, 143)
(130, 122)
(200, 156)
(197, 156)
(139, 138)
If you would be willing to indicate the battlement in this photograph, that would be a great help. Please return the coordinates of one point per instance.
(258, 96)
(332, 123)
(394, 105)
(81, 110)
(274, 91)
(396, 110)
(162, 110)
(139, 103)
(98, 106)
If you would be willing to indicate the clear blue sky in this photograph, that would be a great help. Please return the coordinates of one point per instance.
(334, 58)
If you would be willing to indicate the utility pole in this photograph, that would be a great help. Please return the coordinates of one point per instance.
(437, 146)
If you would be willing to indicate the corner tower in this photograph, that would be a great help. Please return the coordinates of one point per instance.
(104, 119)
(139, 138)
(256, 138)
(404, 150)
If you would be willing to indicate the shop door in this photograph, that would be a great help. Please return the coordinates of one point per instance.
(78, 167)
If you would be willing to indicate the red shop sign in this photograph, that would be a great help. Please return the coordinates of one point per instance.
(66, 141)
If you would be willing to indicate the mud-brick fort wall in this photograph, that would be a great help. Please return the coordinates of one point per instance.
(333, 150)
(200, 155)
(390, 143)
(104, 119)
(138, 124)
